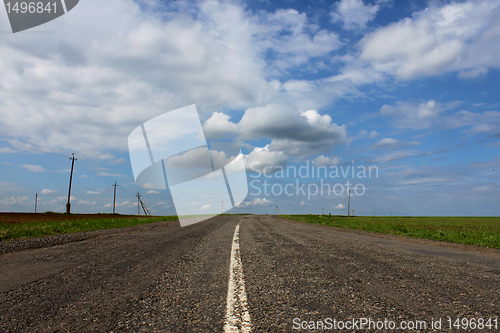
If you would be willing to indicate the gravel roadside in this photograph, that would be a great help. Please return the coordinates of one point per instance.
(407, 239)
(48, 241)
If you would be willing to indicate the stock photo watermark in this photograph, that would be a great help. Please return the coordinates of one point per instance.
(170, 152)
(459, 323)
(25, 15)
(206, 179)
(291, 180)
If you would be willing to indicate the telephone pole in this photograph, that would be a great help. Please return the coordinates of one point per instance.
(68, 205)
(36, 200)
(114, 198)
(349, 203)
(138, 204)
(222, 212)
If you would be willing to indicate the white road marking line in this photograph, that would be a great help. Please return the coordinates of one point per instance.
(237, 315)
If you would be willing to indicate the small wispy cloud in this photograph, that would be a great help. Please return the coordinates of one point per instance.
(93, 192)
(110, 174)
(47, 191)
(397, 155)
(7, 150)
(425, 180)
(256, 202)
(390, 143)
(153, 192)
(122, 204)
(117, 161)
(33, 167)
(14, 200)
(86, 203)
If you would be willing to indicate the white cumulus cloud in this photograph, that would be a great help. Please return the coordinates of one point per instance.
(457, 36)
(292, 133)
(354, 14)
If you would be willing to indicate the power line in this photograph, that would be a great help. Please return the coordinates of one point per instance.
(30, 146)
(45, 150)
(96, 173)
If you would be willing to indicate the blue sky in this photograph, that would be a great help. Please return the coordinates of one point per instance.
(408, 87)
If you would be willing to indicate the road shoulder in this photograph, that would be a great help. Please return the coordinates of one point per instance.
(456, 246)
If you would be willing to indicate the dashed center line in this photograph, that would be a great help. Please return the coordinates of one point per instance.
(237, 315)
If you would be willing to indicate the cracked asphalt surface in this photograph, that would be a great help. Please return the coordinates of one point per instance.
(164, 278)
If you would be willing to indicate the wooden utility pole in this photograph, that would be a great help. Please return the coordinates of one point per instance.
(114, 198)
(144, 208)
(138, 204)
(36, 200)
(349, 203)
(68, 205)
(322, 211)
(222, 212)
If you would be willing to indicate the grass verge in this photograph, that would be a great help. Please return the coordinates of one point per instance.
(10, 231)
(482, 231)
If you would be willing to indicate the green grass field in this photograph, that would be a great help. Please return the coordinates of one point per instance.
(483, 231)
(10, 231)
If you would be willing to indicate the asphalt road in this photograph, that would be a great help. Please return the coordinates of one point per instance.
(268, 276)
